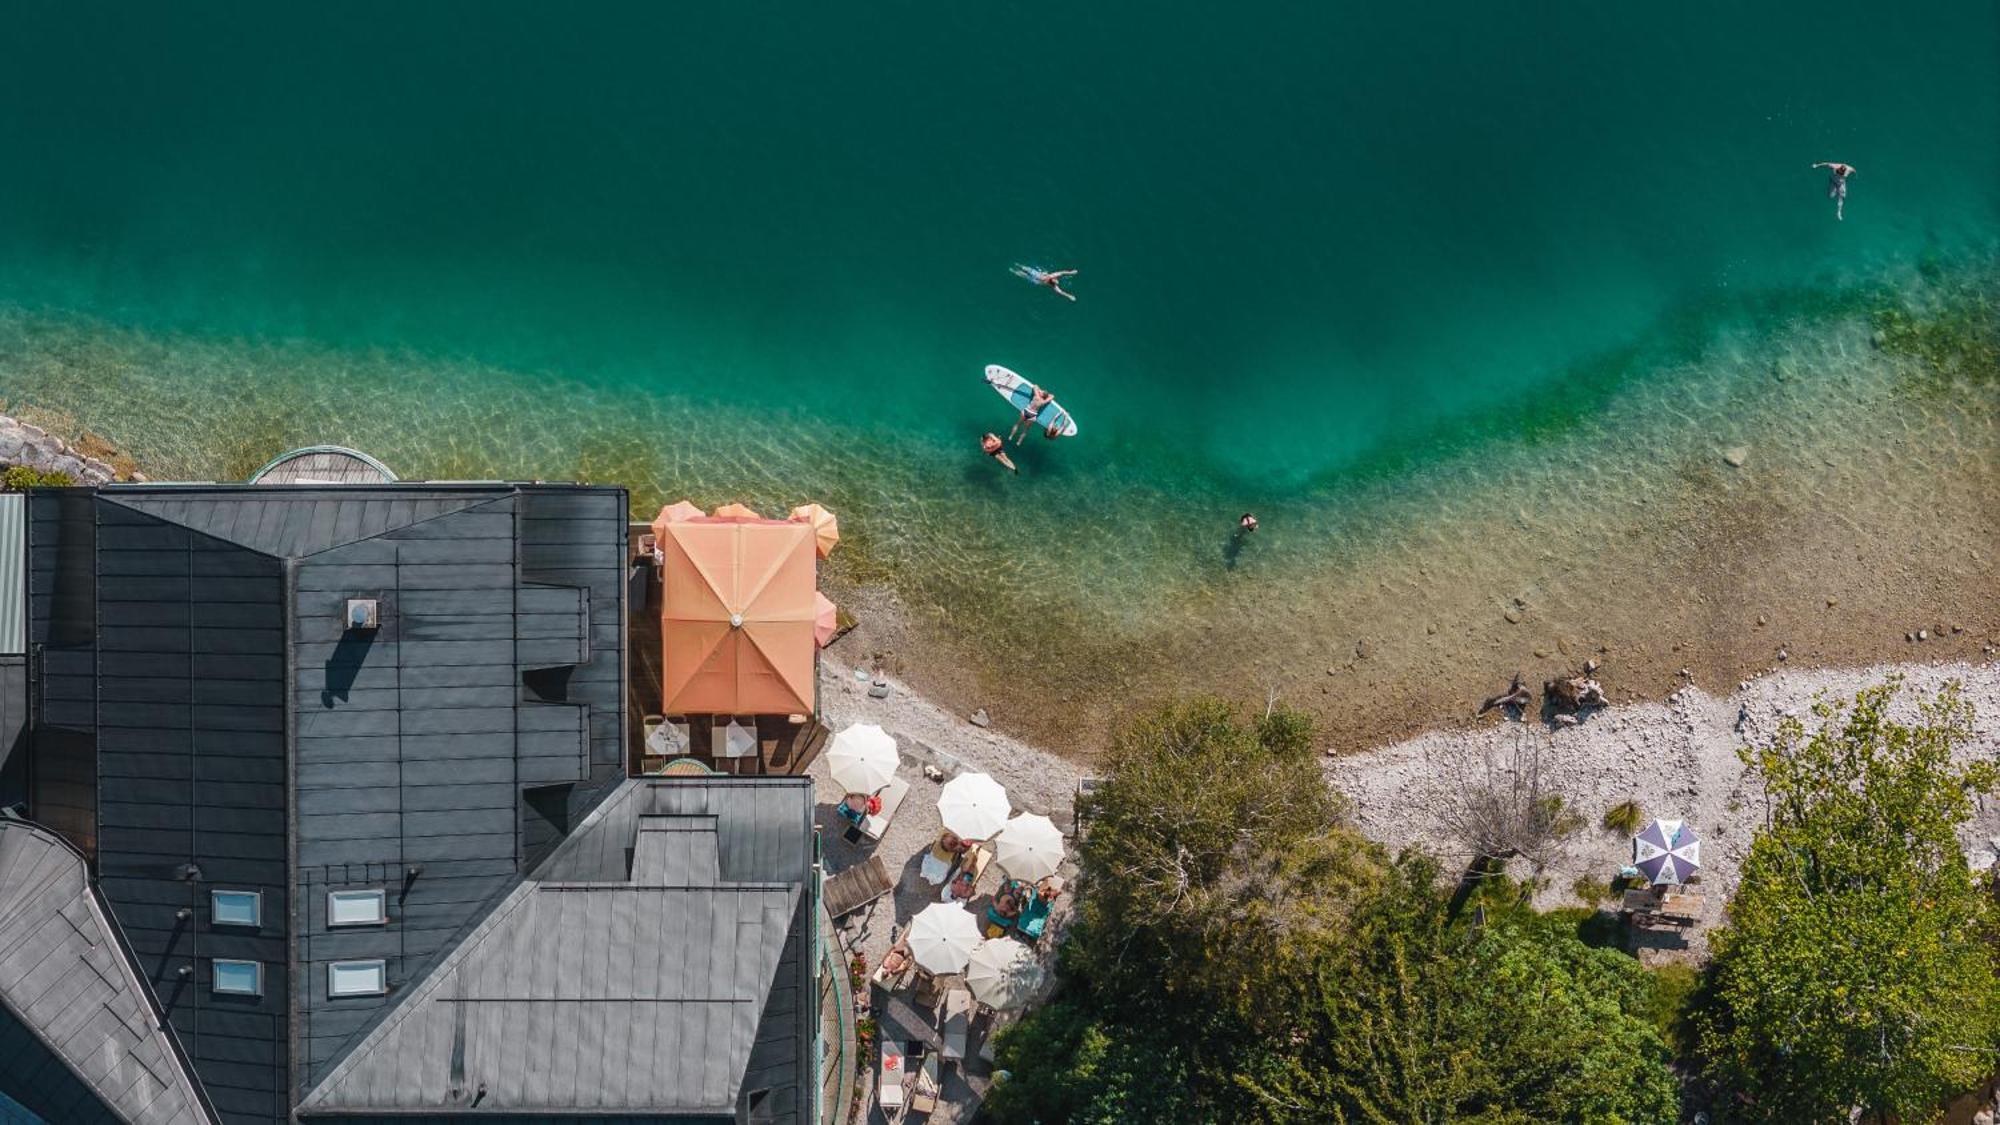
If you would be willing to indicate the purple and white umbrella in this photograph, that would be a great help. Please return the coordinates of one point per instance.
(1666, 851)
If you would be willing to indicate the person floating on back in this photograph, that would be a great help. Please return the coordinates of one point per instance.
(997, 449)
(1036, 401)
(1836, 187)
(1050, 278)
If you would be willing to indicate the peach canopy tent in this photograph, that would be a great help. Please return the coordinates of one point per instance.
(826, 619)
(739, 614)
(825, 525)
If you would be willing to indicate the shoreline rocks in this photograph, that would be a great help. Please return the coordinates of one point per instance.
(24, 443)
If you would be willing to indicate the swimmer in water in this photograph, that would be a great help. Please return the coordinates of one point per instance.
(1026, 421)
(1836, 187)
(997, 449)
(1050, 278)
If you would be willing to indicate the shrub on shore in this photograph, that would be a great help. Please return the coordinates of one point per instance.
(20, 478)
(1624, 818)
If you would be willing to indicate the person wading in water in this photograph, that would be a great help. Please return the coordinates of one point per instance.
(997, 449)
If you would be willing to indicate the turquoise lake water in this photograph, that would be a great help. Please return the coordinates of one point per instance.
(762, 248)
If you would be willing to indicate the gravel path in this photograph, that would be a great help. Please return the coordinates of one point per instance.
(1676, 759)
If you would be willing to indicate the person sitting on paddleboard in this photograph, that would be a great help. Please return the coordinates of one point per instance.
(997, 449)
(1050, 278)
(1053, 432)
(1836, 187)
(1026, 421)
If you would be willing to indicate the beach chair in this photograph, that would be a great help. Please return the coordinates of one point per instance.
(890, 1091)
(955, 1024)
(965, 883)
(995, 924)
(892, 799)
(882, 975)
(925, 1079)
(1034, 919)
(938, 865)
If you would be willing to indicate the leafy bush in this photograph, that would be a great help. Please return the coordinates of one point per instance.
(20, 478)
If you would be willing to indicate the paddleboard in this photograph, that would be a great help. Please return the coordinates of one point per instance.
(1021, 393)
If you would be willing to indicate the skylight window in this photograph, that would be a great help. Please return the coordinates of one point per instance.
(235, 908)
(357, 908)
(238, 978)
(357, 978)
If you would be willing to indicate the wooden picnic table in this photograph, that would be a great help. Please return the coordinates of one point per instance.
(1651, 906)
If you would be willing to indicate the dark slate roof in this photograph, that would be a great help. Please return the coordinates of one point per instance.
(649, 966)
(758, 835)
(298, 521)
(64, 978)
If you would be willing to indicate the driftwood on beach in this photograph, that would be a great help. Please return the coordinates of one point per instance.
(1516, 695)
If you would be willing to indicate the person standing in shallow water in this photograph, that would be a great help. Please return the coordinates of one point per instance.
(1245, 524)
(1836, 186)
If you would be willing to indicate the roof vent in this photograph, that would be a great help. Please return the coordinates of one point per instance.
(362, 614)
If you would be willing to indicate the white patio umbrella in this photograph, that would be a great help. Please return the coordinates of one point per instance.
(1002, 973)
(862, 758)
(1030, 847)
(942, 937)
(974, 806)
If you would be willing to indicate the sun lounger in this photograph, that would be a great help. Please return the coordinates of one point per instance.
(938, 865)
(925, 1079)
(892, 799)
(856, 887)
(882, 975)
(1034, 919)
(889, 1091)
(954, 1024)
(965, 882)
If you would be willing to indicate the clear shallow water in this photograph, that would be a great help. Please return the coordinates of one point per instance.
(761, 249)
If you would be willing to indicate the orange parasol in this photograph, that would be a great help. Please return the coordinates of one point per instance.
(737, 624)
(736, 512)
(679, 510)
(826, 619)
(825, 525)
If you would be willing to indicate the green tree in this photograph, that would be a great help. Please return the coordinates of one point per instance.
(1065, 1065)
(1216, 847)
(1421, 1019)
(1857, 968)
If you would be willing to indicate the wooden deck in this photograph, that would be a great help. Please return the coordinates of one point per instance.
(783, 747)
(856, 887)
